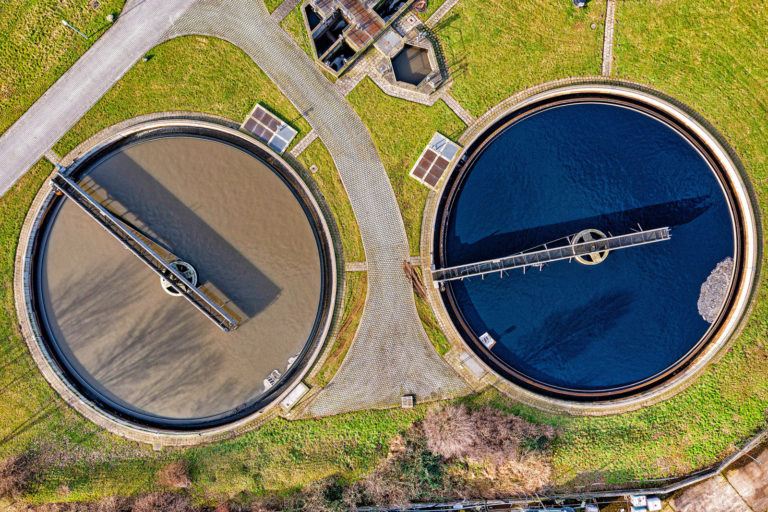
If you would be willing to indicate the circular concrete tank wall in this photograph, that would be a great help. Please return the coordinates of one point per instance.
(253, 234)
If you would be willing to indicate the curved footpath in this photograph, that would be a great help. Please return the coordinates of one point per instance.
(391, 355)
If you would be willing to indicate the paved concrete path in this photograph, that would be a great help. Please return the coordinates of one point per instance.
(141, 26)
(440, 12)
(610, 23)
(742, 488)
(391, 354)
(284, 9)
(457, 108)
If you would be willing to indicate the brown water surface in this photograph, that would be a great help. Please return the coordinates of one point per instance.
(247, 235)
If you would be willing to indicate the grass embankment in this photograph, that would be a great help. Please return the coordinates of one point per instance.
(429, 322)
(193, 73)
(709, 55)
(36, 48)
(354, 302)
(400, 130)
(329, 182)
(495, 49)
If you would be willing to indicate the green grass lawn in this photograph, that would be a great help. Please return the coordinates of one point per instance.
(400, 130)
(709, 55)
(36, 48)
(432, 6)
(272, 4)
(294, 25)
(706, 54)
(497, 48)
(429, 322)
(189, 73)
(327, 178)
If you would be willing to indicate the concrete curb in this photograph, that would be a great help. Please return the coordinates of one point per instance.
(48, 367)
(732, 325)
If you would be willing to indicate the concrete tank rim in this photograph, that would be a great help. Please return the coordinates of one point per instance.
(47, 364)
(746, 202)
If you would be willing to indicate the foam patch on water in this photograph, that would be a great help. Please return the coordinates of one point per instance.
(714, 289)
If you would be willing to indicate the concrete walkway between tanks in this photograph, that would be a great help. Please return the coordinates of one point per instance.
(141, 26)
(391, 354)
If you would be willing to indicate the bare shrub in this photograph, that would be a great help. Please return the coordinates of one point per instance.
(162, 502)
(267, 504)
(353, 495)
(53, 507)
(384, 490)
(502, 452)
(449, 432)
(500, 480)
(113, 504)
(15, 473)
(501, 438)
(175, 476)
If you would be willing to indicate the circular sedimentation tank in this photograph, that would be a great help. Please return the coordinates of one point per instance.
(237, 222)
(583, 164)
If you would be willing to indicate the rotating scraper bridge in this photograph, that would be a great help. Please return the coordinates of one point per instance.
(538, 257)
(147, 251)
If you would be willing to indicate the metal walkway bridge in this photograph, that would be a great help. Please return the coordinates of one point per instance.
(537, 258)
(141, 246)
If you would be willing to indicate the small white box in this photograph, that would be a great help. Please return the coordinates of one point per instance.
(487, 340)
(638, 501)
(654, 504)
(294, 396)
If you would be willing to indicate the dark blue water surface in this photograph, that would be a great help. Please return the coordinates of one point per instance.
(578, 166)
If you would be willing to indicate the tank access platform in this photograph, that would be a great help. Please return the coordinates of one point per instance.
(146, 250)
(583, 246)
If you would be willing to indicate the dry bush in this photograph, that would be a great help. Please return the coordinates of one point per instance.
(174, 476)
(53, 507)
(113, 504)
(449, 432)
(526, 476)
(501, 453)
(383, 490)
(265, 506)
(484, 434)
(162, 502)
(353, 495)
(15, 473)
(501, 438)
